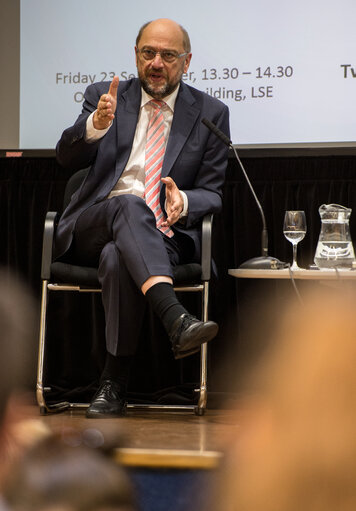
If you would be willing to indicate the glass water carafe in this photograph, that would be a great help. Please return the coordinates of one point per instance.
(334, 247)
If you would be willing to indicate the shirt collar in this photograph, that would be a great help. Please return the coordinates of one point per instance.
(170, 100)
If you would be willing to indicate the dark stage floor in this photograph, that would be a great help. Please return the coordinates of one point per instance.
(146, 438)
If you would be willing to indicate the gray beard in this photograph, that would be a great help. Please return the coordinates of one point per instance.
(158, 94)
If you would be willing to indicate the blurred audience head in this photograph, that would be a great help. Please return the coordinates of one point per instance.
(40, 470)
(55, 476)
(296, 445)
(17, 334)
(17, 362)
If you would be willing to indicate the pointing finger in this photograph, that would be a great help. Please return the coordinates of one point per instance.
(113, 86)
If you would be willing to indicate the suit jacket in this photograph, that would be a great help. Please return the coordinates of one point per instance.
(195, 158)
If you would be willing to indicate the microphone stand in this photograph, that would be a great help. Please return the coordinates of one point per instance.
(264, 261)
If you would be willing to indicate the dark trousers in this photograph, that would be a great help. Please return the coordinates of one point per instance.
(119, 235)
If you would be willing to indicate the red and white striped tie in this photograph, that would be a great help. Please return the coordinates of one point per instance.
(155, 149)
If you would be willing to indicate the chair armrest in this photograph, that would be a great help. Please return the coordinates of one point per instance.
(47, 243)
(207, 226)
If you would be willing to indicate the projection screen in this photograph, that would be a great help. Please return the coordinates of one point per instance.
(286, 69)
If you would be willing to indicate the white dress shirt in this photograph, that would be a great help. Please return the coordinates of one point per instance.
(132, 180)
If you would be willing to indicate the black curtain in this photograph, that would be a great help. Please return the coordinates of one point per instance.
(29, 187)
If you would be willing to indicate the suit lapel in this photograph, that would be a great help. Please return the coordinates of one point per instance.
(128, 108)
(185, 115)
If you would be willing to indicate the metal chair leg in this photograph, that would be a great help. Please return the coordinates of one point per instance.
(203, 397)
(40, 389)
(199, 409)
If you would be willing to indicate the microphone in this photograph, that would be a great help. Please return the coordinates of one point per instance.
(264, 261)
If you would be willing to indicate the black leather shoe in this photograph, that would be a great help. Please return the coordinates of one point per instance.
(108, 401)
(188, 333)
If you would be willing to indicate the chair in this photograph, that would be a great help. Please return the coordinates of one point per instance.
(60, 276)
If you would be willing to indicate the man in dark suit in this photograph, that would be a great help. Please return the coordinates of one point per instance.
(156, 170)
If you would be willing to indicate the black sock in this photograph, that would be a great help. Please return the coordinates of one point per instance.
(117, 369)
(164, 302)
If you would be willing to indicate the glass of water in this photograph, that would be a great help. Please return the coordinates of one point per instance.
(294, 229)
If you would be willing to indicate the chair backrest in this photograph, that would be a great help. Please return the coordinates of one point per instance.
(73, 184)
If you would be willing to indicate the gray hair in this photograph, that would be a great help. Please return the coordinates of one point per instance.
(186, 39)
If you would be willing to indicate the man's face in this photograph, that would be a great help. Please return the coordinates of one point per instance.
(160, 78)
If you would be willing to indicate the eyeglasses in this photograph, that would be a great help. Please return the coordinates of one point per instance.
(166, 55)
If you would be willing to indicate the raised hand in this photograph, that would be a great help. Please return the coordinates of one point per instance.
(174, 202)
(106, 107)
